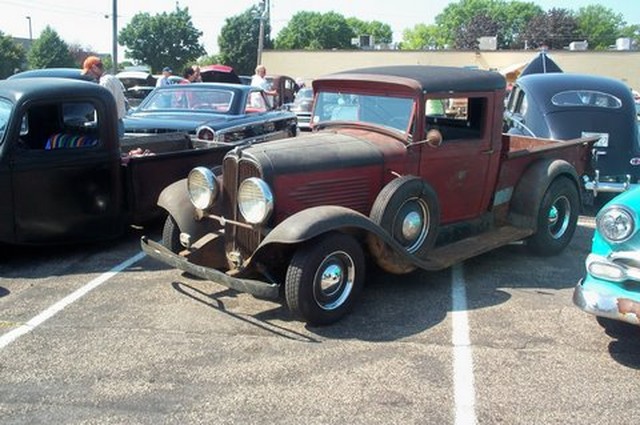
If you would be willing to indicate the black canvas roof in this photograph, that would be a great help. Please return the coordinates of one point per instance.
(432, 78)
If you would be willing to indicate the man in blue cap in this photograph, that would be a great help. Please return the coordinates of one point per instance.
(164, 80)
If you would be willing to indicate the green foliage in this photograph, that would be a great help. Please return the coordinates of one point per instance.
(555, 29)
(381, 32)
(469, 33)
(238, 42)
(50, 51)
(166, 39)
(509, 17)
(12, 56)
(599, 25)
(632, 32)
(316, 31)
(422, 37)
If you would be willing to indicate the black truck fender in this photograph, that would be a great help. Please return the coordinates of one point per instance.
(175, 200)
(313, 222)
(530, 189)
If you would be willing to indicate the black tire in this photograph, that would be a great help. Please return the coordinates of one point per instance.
(171, 235)
(318, 300)
(557, 218)
(407, 208)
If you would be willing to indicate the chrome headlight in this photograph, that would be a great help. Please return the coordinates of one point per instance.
(616, 223)
(205, 133)
(203, 187)
(255, 200)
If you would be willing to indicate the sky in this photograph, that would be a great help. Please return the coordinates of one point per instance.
(89, 23)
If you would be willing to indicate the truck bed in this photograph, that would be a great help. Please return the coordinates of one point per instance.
(151, 163)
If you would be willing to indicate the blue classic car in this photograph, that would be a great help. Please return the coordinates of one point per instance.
(565, 106)
(211, 111)
(611, 286)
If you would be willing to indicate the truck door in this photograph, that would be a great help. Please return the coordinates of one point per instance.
(65, 174)
(462, 170)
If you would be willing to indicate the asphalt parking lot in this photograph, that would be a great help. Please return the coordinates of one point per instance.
(494, 340)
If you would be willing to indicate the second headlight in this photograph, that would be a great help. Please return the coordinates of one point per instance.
(203, 187)
(255, 200)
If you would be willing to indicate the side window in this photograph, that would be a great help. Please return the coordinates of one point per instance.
(51, 126)
(457, 118)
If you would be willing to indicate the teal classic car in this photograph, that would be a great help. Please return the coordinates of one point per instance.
(611, 286)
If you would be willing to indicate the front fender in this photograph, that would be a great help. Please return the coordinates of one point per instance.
(312, 222)
(175, 200)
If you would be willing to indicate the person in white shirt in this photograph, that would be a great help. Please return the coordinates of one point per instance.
(93, 67)
(164, 80)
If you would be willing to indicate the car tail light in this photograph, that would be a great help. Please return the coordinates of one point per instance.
(205, 133)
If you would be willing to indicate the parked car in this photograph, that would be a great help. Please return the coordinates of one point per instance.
(301, 106)
(564, 106)
(219, 74)
(378, 179)
(208, 110)
(136, 79)
(611, 285)
(73, 73)
(285, 88)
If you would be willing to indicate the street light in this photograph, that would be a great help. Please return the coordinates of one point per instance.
(30, 33)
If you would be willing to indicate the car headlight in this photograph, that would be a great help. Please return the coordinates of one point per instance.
(255, 200)
(616, 223)
(203, 187)
(205, 133)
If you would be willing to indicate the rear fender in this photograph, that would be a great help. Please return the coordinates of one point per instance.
(532, 186)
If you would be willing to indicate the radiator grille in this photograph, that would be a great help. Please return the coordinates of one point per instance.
(238, 238)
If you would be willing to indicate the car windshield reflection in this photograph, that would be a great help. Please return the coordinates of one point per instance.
(5, 111)
(392, 112)
(176, 99)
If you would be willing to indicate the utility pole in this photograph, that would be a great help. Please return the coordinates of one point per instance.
(264, 15)
(30, 33)
(114, 47)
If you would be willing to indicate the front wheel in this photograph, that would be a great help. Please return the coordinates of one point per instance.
(557, 218)
(171, 235)
(325, 278)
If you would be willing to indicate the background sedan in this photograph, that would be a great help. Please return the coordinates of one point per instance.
(214, 109)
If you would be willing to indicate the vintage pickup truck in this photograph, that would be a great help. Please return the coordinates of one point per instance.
(65, 177)
(381, 177)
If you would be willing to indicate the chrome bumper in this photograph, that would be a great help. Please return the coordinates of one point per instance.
(257, 288)
(596, 186)
(606, 305)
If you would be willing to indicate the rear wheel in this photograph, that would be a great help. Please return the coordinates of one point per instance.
(557, 218)
(171, 235)
(325, 278)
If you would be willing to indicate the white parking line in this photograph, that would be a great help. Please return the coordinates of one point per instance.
(47, 314)
(464, 394)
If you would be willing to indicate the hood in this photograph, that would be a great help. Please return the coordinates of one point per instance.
(322, 151)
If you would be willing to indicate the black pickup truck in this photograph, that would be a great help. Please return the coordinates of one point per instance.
(66, 177)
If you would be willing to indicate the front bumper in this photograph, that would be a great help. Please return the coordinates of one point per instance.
(605, 299)
(254, 287)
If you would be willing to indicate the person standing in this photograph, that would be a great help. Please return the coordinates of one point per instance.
(164, 80)
(198, 77)
(93, 67)
(258, 80)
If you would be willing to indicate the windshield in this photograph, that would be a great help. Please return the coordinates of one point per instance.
(5, 111)
(393, 112)
(176, 99)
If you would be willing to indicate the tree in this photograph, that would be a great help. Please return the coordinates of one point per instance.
(238, 41)
(554, 29)
(422, 37)
(166, 39)
(316, 31)
(381, 32)
(50, 51)
(478, 26)
(599, 25)
(510, 18)
(12, 56)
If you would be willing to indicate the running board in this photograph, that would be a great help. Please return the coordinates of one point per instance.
(450, 254)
